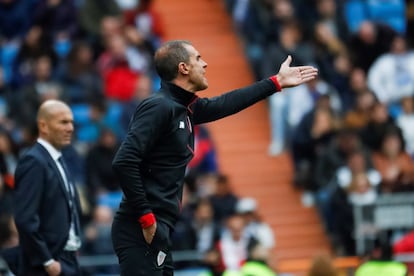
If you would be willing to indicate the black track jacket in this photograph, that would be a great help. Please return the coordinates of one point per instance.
(151, 162)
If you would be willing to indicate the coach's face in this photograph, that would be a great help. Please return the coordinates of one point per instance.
(197, 70)
(59, 128)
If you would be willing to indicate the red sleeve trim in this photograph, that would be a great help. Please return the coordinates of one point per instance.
(147, 220)
(276, 82)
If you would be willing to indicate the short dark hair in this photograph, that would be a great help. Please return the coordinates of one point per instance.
(168, 56)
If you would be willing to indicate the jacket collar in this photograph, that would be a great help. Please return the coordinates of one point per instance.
(179, 94)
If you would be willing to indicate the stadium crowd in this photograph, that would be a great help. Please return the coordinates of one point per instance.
(348, 131)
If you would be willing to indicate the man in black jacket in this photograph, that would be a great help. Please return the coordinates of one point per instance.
(152, 160)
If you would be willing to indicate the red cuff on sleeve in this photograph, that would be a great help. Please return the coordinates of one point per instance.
(147, 220)
(276, 82)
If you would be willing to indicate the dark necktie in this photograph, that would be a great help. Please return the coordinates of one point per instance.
(70, 188)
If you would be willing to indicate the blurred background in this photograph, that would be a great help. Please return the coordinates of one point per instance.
(316, 180)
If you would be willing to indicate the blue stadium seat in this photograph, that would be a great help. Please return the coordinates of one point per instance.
(8, 54)
(355, 13)
(81, 113)
(391, 12)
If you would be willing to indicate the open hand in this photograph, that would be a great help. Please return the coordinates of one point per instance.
(293, 76)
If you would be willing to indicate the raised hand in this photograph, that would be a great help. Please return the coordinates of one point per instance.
(293, 76)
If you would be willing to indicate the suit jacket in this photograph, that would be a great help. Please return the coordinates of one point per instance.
(42, 211)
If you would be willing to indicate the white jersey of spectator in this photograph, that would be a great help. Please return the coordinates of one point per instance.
(391, 76)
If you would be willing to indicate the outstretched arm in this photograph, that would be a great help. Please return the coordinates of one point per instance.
(293, 76)
(210, 109)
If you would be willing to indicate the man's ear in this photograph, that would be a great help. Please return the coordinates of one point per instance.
(41, 124)
(183, 68)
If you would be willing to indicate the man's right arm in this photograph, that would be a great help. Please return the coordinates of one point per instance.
(147, 125)
(28, 192)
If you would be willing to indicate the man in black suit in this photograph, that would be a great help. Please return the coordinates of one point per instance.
(46, 202)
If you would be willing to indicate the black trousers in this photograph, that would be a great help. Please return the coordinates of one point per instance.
(138, 258)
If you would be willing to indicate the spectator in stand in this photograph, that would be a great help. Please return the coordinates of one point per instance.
(119, 66)
(289, 42)
(58, 20)
(405, 121)
(394, 164)
(257, 264)
(249, 17)
(224, 199)
(340, 78)
(404, 245)
(204, 184)
(233, 244)
(81, 82)
(91, 15)
(15, 19)
(380, 122)
(136, 41)
(204, 160)
(309, 139)
(369, 42)
(200, 234)
(97, 239)
(328, 45)
(256, 229)
(357, 85)
(118, 51)
(287, 110)
(360, 192)
(355, 183)
(329, 14)
(357, 164)
(391, 76)
(33, 47)
(101, 182)
(335, 156)
(328, 31)
(147, 22)
(359, 115)
(30, 96)
(282, 11)
(143, 89)
(380, 261)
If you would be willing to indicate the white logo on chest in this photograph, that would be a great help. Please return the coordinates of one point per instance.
(181, 125)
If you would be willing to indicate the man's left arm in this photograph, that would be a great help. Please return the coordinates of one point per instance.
(207, 110)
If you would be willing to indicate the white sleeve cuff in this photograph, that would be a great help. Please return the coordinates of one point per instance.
(49, 262)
